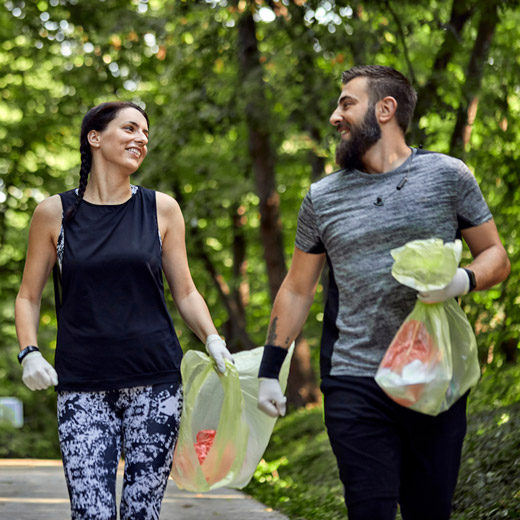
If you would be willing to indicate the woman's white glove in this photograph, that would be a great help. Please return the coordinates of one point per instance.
(271, 400)
(458, 286)
(217, 349)
(38, 374)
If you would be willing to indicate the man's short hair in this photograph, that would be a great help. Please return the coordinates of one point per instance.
(385, 81)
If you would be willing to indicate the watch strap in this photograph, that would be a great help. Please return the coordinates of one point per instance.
(25, 351)
(472, 279)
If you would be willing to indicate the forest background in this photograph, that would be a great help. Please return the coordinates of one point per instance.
(239, 94)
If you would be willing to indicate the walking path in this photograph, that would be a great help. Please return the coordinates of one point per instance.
(35, 490)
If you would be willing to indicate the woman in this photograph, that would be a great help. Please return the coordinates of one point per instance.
(117, 356)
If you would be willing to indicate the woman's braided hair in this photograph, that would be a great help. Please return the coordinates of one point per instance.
(96, 118)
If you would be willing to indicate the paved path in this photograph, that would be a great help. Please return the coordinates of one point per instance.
(35, 490)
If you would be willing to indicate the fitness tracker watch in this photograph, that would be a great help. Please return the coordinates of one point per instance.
(25, 351)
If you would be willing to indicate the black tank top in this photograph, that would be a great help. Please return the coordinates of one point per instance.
(114, 329)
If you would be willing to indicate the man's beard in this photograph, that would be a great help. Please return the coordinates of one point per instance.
(349, 152)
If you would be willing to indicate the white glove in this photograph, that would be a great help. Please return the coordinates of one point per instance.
(459, 285)
(270, 398)
(216, 348)
(38, 374)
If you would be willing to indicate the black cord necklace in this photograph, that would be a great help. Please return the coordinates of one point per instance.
(380, 201)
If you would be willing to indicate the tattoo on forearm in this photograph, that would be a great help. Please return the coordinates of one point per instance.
(271, 334)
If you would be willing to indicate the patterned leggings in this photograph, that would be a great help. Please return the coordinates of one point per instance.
(93, 427)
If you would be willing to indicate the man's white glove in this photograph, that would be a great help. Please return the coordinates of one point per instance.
(38, 374)
(270, 397)
(217, 349)
(459, 285)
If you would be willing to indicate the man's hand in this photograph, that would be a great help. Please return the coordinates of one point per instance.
(217, 349)
(459, 285)
(38, 374)
(270, 398)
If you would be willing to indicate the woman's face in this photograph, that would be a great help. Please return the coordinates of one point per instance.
(123, 142)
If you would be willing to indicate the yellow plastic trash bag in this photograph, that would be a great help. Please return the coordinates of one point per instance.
(432, 360)
(222, 435)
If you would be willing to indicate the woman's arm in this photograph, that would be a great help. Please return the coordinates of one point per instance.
(189, 302)
(41, 257)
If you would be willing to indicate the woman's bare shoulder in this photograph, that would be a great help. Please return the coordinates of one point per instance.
(167, 206)
(49, 212)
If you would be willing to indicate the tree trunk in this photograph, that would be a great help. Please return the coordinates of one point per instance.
(234, 330)
(510, 350)
(261, 152)
(357, 43)
(301, 386)
(467, 108)
(428, 95)
(240, 287)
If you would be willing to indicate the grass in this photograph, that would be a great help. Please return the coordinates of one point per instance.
(298, 475)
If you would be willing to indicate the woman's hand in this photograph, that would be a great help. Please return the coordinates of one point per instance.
(217, 349)
(38, 374)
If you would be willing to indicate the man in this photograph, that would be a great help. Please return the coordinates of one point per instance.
(386, 194)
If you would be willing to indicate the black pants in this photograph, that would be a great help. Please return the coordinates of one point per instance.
(388, 454)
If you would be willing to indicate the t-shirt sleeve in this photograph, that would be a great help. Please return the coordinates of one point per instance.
(472, 209)
(307, 233)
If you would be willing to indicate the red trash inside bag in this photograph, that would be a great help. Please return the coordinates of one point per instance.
(412, 343)
(204, 442)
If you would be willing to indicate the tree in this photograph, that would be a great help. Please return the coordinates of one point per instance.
(239, 164)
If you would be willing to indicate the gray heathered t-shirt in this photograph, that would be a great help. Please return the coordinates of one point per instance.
(365, 304)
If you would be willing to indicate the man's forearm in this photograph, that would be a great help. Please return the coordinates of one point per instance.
(491, 267)
(290, 310)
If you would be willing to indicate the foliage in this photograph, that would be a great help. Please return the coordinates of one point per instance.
(488, 481)
(298, 474)
(179, 59)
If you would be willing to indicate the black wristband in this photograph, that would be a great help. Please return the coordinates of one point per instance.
(25, 351)
(472, 279)
(272, 361)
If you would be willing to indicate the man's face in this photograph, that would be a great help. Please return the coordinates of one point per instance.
(356, 121)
